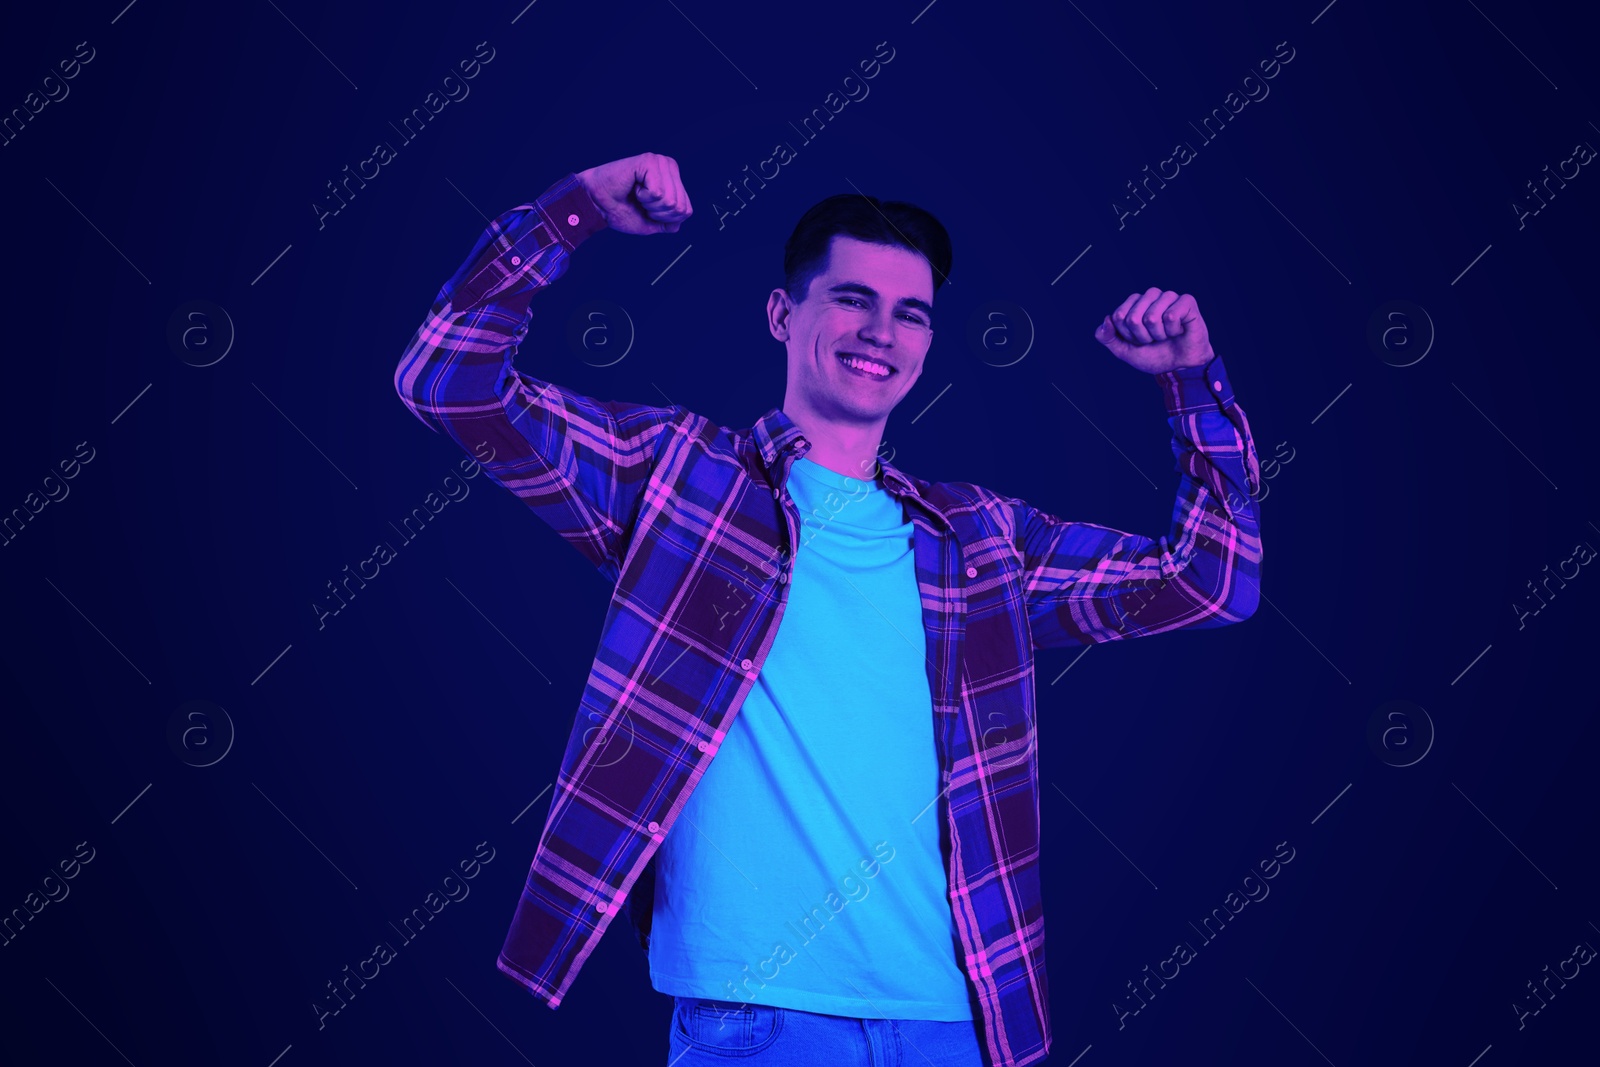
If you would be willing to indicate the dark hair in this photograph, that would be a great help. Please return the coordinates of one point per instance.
(865, 218)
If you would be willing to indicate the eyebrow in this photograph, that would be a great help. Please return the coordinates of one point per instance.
(867, 290)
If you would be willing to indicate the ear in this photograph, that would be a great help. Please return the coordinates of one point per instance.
(779, 309)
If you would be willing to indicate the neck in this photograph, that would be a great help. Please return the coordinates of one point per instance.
(847, 448)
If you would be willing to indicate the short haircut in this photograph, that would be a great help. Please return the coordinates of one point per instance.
(865, 218)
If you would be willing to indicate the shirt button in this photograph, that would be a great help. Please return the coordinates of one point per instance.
(1217, 385)
(516, 261)
(572, 220)
(972, 572)
(654, 826)
(746, 664)
(701, 745)
(776, 492)
(601, 907)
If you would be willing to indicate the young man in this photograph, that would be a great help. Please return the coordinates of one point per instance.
(814, 788)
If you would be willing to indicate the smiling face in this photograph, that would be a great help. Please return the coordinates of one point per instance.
(856, 343)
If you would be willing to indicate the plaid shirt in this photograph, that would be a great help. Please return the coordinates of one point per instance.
(691, 522)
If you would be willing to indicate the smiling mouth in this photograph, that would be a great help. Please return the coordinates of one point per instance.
(866, 367)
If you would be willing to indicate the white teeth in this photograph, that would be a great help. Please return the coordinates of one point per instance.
(871, 368)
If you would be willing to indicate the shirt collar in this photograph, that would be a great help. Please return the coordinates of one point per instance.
(776, 434)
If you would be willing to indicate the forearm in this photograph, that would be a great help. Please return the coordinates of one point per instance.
(577, 462)
(457, 365)
(1090, 583)
(1207, 572)
(1211, 436)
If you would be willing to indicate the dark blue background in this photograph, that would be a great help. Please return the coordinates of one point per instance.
(379, 750)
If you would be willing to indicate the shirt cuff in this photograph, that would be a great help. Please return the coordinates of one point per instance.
(1187, 390)
(570, 211)
(564, 216)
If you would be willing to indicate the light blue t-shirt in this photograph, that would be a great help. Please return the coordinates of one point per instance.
(805, 871)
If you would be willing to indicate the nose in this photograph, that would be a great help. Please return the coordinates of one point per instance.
(879, 328)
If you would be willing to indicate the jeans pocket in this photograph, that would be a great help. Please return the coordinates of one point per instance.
(729, 1027)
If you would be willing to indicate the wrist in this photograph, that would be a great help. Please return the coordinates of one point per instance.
(1199, 360)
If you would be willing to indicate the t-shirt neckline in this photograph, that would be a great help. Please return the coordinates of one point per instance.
(810, 468)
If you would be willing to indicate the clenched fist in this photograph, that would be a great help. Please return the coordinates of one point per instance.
(639, 194)
(1157, 331)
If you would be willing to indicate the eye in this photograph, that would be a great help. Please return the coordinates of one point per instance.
(909, 317)
(851, 300)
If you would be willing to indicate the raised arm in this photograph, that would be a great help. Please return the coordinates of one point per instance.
(1086, 583)
(578, 462)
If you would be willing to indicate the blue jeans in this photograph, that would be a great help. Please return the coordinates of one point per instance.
(722, 1032)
